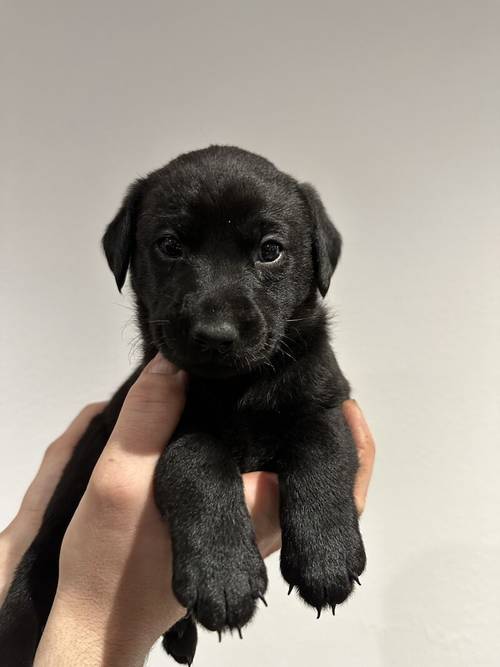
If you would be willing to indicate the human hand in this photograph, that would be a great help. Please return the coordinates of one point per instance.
(18, 535)
(261, 492)
(114, 596)
(365, 446)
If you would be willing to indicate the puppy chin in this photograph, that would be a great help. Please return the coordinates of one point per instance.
(212, 368)
(213, 371)
(197, 368)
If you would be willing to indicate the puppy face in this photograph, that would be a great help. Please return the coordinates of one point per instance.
(225, 251)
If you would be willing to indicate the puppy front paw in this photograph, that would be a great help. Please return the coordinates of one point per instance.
(323, 565)
(221, 588)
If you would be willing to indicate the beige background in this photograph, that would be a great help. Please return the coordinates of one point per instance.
(393, 110)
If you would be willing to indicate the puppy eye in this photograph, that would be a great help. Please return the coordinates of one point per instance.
(169, 246)
(270, 251)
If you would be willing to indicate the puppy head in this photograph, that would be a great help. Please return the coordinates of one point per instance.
(224, 250)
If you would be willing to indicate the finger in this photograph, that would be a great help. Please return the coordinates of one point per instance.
(147, 420)
(22, 530)
(80, 423)
(56, 456)
(365, 446)
(262, 499)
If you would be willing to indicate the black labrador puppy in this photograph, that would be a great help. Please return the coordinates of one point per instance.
(226, 256)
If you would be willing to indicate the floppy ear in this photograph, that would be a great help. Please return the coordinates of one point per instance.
(118, 240)
(327, 241)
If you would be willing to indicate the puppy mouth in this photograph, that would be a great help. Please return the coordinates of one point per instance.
(213, 365)
(206, 368)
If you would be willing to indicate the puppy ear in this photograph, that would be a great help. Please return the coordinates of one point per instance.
(118, 240)
(327, 241)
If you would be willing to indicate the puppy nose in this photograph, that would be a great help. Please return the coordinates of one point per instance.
(217, 336)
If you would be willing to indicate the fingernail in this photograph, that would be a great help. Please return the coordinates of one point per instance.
(351, 411)
(161, 365)
(355, 405)
(361, 413)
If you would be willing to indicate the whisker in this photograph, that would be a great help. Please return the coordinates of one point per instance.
(124, 305)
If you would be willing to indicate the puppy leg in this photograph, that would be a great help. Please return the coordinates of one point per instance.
(322, 551)
(218, 570)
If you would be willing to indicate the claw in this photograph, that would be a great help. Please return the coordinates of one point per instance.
(333, 608)
(220, 635)
(319, 612)
(290, 589)
(356, 579)
(263, 599)
(239, 631)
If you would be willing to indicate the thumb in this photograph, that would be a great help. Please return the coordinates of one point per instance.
(147, 420)
(152, 408)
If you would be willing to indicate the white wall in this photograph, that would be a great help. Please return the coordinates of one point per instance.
(393, 110)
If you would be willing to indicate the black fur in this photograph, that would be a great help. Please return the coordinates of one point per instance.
(265, 394)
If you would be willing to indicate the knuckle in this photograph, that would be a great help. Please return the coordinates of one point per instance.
(29, 511)
(109, 488)
(55, 449)
(91, 409)
(88, 412)
(365, 445)
(371, 448)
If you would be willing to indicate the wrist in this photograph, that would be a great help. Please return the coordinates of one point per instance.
(89, 635)
(93, 633)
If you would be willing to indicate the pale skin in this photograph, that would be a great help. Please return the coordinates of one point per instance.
(114, 597)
